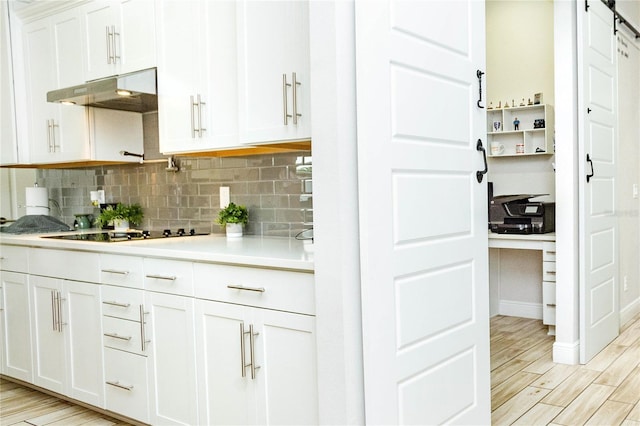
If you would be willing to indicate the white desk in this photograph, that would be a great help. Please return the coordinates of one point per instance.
(542, 242)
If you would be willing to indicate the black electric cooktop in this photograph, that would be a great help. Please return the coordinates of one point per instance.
(116, 236)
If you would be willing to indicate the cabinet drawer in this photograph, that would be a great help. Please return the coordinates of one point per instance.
(549, 252)
(549, 303)
(168, 276)
(126, 384)
(122, 334)
(121, 302)
(263, 288)
(66, 264)
(549, 271)
(120, 270)
(13, 258)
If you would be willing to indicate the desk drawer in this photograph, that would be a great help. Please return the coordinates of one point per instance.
(549, 252)
(549, 271)
(549, 303)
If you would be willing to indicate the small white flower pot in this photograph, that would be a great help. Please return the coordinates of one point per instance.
(120, 225)
(234, 230)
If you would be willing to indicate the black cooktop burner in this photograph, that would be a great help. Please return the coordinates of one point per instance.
(115, 236)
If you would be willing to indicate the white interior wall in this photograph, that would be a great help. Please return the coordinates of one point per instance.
(629, 171)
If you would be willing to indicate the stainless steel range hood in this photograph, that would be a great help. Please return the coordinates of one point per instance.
(127, 92)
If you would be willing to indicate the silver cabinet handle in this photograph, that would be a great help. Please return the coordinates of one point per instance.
(551, 305)
(550, 252)
(108, 38)
(242, 357)
(114, 271)
(252, 353)
(118, 385)
(117, 336)
(294, 85)
(550, 272)
(162, 277)
(143, 331)
(53, 310)
(114, 48)
(252, 343)
(284, 99)
(200, 128)
(192, 105)
(241, 287)
(114, 303)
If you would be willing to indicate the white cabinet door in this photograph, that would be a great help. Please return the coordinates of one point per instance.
(52, 59)
(257, 365)
(8, 141)
(48, 336)
(197, 93)
(273, 43)
(225, 391)
(172, 359)
(17, 326)
(120, 37)
(285, 350)
(84, 340)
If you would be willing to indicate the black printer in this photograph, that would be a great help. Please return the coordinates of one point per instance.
(517, 214)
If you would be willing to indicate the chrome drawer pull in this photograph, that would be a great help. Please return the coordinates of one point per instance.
(118, 385)
(113, 271)
(240, 287)
(551, 305)
(162, 277)
(550, 272)
(114, 303)
(550, 252)
(117, 336)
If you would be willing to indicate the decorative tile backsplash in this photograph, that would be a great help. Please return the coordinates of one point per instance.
(272, 187)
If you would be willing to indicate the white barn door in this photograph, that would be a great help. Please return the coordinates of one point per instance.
(423, 213)
(597, 133)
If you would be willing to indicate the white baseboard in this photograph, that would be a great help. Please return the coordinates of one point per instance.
(520, 309)
(629, 311)
(566, 353)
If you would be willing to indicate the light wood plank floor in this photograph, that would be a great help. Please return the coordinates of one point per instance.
(23, 406)
(527, 388)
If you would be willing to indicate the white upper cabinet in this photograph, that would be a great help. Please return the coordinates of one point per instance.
(120, 37)
(8, 141)
(52, 50)
(197, 75)
(273, 66)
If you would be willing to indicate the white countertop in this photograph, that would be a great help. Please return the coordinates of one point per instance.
(269, 252)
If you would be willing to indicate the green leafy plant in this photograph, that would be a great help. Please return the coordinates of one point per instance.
(233, 213)
(131, 212)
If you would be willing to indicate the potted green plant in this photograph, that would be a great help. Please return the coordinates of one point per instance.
(232, 218)
(121, 216)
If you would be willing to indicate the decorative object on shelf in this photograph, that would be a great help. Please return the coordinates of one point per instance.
(530, 103)
(537, 98)
(522, 103)
(121, 216)
(516, 124)
(540, 150)
(497, 148)
(520, 148)
(496, 126)
(538, 123)
(232, 218)
(490, 105)
(499, 104)
(513, 103)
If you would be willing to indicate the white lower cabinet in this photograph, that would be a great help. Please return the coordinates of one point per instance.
(67, 340)
(172, 359)
(16, 320)
(257, 366)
